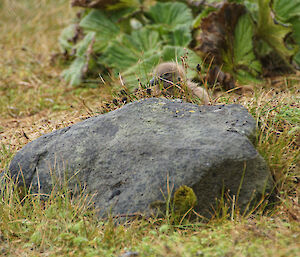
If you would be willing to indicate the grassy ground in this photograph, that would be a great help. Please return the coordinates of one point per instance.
(34, 100)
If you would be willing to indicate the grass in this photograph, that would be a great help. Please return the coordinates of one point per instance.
(62, 226)
(34, 100)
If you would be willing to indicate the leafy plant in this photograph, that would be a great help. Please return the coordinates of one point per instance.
(247, 66)
(165, 29)
(273, 34)
(130, 37)
(289, 13)
(82, 60)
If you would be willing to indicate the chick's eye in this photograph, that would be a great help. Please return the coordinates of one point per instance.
(166, 75)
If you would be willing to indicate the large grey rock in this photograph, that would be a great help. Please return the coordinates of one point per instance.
(126, 155)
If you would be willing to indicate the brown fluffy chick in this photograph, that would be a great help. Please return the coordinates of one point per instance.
(172, 75)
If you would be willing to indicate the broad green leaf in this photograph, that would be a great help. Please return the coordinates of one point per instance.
(74, 73)
(245, 77)
(118, 55)
(296, 36)
(244, 58)
(144, 40)
(272, 33)
(180, 36)
(297, 58)
(97, 21)
(66, 36)
(122, 17)
(262, 48)
(140, 72)
(286, 9)
(171, 15)
(131, 49)
(82, 46)
(238, 56)
(105, 28)
(289, 12)
(252, 7)
(296, 29)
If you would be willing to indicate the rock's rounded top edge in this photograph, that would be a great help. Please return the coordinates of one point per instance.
(178, 101)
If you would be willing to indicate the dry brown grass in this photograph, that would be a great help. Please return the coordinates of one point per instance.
(33, 98)
(29, 36)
